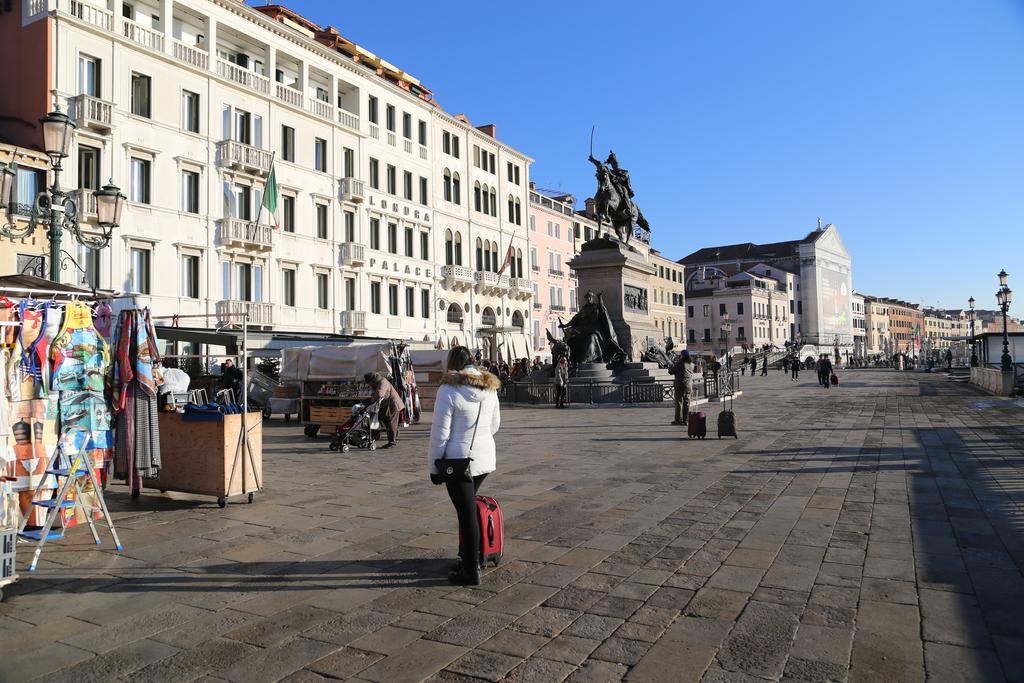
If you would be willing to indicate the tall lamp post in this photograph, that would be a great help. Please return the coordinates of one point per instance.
(55, 208)
(726, 328)
(1004, 296)
(974, 348)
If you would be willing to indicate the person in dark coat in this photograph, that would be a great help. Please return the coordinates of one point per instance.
(764, 365)
(682, 385)
(391, 404)
(753, 366)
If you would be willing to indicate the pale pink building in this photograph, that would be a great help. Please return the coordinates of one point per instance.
(552, 244)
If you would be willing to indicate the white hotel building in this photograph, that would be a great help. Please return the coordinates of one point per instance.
(395, 217)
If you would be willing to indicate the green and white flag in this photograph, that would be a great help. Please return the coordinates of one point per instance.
(270, 196)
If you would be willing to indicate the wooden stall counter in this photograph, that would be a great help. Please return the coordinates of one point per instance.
(202, 457)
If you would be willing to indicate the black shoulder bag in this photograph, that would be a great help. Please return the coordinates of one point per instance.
(456, 469)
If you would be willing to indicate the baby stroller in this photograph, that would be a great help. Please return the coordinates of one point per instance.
(360, 430)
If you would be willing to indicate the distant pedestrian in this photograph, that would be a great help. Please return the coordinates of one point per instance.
(764, 365)
(753, 366)
(682, 384)
(949, 359)
(561, 381)
(391, 404)
(785, 365)
(795, 368)
(826, 372)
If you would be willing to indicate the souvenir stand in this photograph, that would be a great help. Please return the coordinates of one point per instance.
(331, 379)
(55, 414)
(211, 450)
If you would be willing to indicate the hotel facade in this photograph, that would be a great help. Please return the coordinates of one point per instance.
(394, 218)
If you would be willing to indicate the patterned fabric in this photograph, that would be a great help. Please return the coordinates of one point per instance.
(33, 340)
(137, 439)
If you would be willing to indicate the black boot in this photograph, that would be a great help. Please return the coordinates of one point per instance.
(465, 575)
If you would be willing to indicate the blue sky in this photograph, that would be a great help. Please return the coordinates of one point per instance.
(744, 120)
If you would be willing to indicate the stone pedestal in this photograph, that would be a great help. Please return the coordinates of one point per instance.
(622, 274)
(592, 372)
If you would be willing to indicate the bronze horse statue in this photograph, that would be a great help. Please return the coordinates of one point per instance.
(612, 202)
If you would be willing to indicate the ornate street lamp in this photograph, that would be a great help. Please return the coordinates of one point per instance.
(54, 208)
(726, 328)
(974, 348)
(1005, 297)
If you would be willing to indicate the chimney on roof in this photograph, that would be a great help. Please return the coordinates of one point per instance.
(490, 130)
(533, 185)
(590, 208)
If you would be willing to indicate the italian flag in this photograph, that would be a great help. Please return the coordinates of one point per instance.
(270, 196)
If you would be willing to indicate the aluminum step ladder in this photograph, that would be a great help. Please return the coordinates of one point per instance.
(67, 477)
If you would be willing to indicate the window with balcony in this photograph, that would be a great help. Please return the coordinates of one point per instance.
(348, 157)
(407, 185)
(288, 143)
(321, 221)
(190, 111)
(88, 168)
(391, 179)
(288, 286)
(350, 294)
(141, 95)
(373, 109)
(425, 303)
(423, 191)
(139, 183)
(374, 233)
(393, 299)
(409, 242)
(322, 291)
(320, 155)
(190, 276)
(374, 174)
(139, 269)
(350, 226)
(89, 72)
(190, 191)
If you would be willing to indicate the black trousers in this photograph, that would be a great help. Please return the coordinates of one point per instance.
(463, 495)
(560, 394)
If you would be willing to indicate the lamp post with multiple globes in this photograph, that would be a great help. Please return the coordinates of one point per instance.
(1004, 297)
(55, 208)
(974, 348)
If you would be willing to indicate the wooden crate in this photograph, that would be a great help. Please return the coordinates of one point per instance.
(198, 456)
(329, 415)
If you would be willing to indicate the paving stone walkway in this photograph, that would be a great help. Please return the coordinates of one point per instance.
(872, 533)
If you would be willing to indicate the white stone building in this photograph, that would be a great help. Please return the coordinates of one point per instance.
(188, 105)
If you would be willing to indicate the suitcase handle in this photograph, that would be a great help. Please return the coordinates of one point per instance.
(490, 531)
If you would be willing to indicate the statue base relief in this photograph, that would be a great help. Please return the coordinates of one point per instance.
(623, 275)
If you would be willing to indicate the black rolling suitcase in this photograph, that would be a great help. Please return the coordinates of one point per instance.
(727, 422)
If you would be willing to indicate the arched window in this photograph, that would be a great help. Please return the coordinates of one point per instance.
(487, 255)
(449, 248)
(494, 203)
(454, 313)
(519, 215)
(487, 200)
(456, 188)
(477, 195)
(487, 318)
(519, 263)
(517, 319)
(511, 210)
(494, 257)
(479, 254)
(447, 185)
(458, 248)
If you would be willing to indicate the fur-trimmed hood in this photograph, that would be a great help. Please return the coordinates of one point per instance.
(471, 377)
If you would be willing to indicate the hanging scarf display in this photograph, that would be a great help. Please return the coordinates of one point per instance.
(136, 376)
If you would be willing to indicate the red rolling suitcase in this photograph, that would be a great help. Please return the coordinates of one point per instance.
(697, 426)
(492, 534)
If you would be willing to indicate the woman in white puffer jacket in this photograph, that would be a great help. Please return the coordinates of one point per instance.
(466, 418)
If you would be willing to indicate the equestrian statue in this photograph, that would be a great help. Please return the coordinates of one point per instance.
(613, 201)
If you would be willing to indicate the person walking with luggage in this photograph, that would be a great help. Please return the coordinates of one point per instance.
(682, 385)
(391, 404)
(826, 372)
(561, 381)
(466, 418)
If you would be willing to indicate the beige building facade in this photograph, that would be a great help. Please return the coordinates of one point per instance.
(668, 298)
(29, 254)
